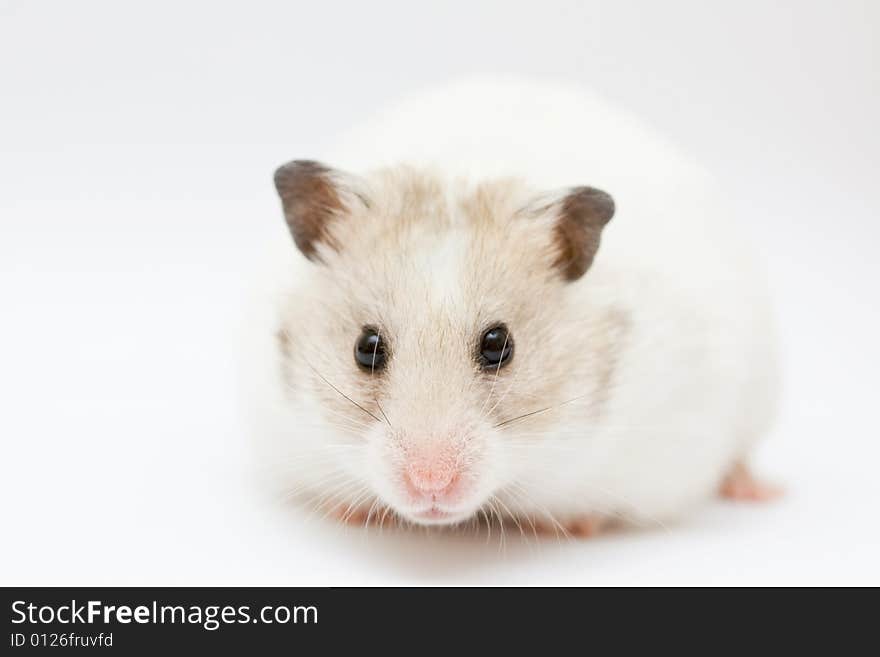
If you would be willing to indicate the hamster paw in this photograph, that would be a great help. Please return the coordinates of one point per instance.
(586, 526)
(741, 485)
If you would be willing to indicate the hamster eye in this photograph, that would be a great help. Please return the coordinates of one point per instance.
(369, 350)
(496, 347)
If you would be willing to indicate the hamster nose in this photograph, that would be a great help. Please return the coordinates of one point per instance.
(430, 481)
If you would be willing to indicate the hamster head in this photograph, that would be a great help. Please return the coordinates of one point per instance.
(431, 319)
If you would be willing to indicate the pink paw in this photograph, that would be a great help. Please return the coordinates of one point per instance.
(586, 526)
(740, 484)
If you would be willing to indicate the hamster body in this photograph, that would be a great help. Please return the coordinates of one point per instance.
(535, 350)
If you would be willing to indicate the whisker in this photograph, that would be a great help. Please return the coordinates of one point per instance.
(373, 371)
(323, 378)
(495, 378)
(538, 412)
(382, 411)
(516, 489)
(510, 513)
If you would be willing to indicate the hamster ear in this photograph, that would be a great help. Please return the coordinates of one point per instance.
(313, 196)
(580, 214)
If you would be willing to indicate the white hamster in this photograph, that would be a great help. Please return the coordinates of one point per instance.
(470, 328)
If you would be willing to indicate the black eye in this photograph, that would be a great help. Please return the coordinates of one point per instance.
(369, 350)
(496, 347)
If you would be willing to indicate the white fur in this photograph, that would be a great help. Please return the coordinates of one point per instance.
(673, 295)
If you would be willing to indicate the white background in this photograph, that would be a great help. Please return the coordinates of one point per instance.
(137, 142)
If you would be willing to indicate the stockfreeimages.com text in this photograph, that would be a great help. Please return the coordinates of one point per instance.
(211, 617)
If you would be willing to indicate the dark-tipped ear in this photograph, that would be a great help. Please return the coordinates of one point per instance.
(313, 196)
(580, 214)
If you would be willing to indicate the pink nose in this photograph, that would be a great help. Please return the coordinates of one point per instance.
(430, 480)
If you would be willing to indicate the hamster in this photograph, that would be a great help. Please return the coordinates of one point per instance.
(507, 299)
